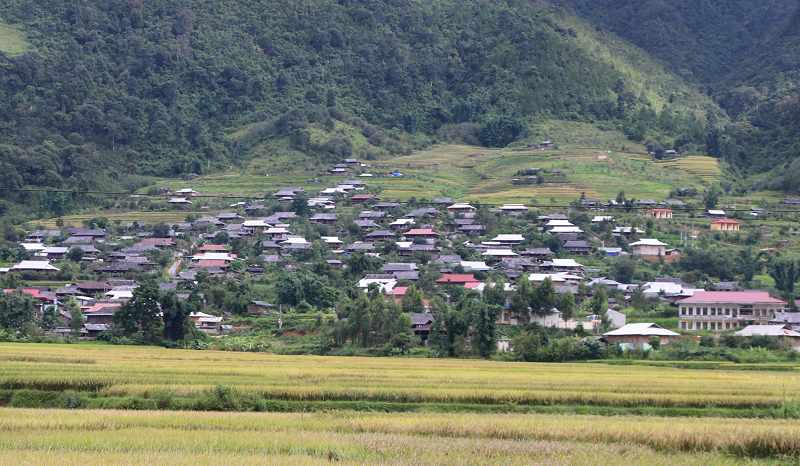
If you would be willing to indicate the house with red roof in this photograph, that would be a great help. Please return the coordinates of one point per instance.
(464, 279)
(723, 310)
(658, 213)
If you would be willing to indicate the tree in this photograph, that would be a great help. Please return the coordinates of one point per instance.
(76, 316)
(711, 198)
(599, 302)
(484, 323)
(75, 254)
(566, 306)
(749, 263)
(521, 300)
(495, 293)
(16, 310)
(140, 313)
(413, 301)
(785, 273)
(545, 298)
(624, 268)
(526, 346)
(49, 320)
(160, 230)
(176, 314)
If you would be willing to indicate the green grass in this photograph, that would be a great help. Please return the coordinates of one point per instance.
(12, 40)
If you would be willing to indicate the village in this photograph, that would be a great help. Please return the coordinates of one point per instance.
(428, 245)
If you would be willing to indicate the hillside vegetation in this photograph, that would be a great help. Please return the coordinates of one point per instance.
(115, 92)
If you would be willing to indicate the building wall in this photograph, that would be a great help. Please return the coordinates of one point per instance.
(725, 316)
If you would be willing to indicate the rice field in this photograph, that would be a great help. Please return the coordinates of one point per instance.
(111, 437)
(120, 371)
(706, 168)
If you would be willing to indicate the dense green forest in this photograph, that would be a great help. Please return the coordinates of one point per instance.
(113, 92)
(745, 54)
(703, 40)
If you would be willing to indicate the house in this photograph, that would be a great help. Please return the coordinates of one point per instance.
(399, 267)
(724, 225)
(658, 213)
(288, 192)
(364, 224)
(627, 231)
(380, 236)
(564, 265)
(537, 253)
(649, 249)
(716, 213)
(723, 310)
(53, 253)
(407, 249)
(513, 208)
(360, 198)
(441, 200)
(35, 266)
(161, 243)
(565, 230)
(616, 319)
(382, 206)
(259, 308)
(256, 226)
(41, 235)
(498, 254)
(509, 240)
(458, 279)
(386, 283)
(546, 144)
(228, 217)
(104, 315)
(324, 219)
(425, 233)
(577, 247)
(460, 208)
(95, 233)
(778, 330)
(179, 201)
(186, 192)
(639, 334)
(335, 264)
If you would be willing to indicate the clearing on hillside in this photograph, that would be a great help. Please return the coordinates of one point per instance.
(12, 40)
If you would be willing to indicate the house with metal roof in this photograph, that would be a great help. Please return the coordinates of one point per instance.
(723, 310)
(639, 334)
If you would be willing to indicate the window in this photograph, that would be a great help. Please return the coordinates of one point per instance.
(506, 316)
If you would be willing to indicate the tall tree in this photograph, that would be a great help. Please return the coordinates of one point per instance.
(566, 306)
(17, 310)
(484, 323)
(545, 298)
(786, 273)
(521, 300)
(140, 313)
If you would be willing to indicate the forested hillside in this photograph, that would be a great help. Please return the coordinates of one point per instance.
(116, 90)
(703, 39)
(745, 54)
(762, 95)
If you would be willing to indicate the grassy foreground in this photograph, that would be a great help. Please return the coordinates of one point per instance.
(106, 437)
(34, 375)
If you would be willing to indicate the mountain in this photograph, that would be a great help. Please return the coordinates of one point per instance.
(762, 96)
(113, 92)
(703, 40)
